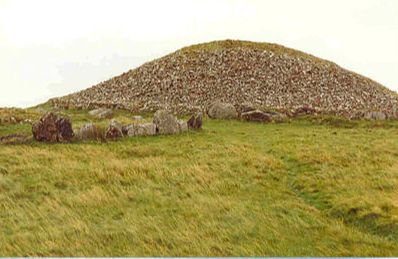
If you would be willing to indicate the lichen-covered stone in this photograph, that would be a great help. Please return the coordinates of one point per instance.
(143, 129)
(166, 122)
(219, 110)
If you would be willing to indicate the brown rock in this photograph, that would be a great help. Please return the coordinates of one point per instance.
(52, 128)
(195, 122)
(257, 116)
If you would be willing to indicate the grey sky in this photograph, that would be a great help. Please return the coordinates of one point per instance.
(52, 48)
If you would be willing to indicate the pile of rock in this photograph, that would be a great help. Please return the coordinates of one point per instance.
(55, 128)
(235, 72)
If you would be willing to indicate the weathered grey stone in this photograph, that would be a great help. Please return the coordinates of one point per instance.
(196, 120)
(166, 123)
(114, 130)
(182, 125)
(101, 113)
(143, 129)
(375, 115)
(257, 116)
(221, 110)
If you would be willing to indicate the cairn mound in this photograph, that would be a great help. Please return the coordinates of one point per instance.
(236, 72)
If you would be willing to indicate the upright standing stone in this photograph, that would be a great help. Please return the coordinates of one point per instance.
(166, 123)
(114, 130)
(195, 122)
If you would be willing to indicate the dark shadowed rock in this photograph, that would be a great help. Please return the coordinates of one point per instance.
(246, 107)
(166, 123)
(257, 116)
(221, 110)
(195, 122)
(114, 130)
(52, 128)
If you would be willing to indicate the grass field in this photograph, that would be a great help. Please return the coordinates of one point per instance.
(304, 188)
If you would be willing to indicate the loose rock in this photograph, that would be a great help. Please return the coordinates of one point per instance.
(257, 116)
(52, 128)
(266, 75)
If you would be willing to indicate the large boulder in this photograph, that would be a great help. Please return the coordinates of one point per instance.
(114, 130)
(52, 128)
(101, 113)
(257, 116)
(166, 123)
(195, 122)
(220, 110)
(89, 131)
(143, 129)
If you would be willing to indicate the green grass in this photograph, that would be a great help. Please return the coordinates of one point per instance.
(323, 187)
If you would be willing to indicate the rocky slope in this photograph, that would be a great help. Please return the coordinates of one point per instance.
(266, 75)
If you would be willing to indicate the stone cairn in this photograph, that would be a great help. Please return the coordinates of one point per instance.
(269, 76)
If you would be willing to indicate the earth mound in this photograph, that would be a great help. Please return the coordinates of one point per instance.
(267, 75)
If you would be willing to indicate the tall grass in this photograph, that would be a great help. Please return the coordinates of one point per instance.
(233, 189)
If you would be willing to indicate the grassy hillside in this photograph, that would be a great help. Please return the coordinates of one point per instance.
(306, 188)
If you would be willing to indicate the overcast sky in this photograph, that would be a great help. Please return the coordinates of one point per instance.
(51, 48)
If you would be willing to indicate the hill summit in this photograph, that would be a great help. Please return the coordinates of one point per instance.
(263, 74)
